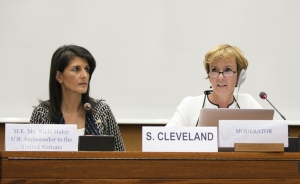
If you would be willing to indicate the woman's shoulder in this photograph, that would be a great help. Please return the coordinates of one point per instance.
(247, 101)
(193, 99)
(244, 96)
(41, 113)
(100, 104)
(191, 102)
(42, 107)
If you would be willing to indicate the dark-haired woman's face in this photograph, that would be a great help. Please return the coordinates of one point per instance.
(75, 77)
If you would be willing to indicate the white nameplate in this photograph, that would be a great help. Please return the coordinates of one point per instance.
(41, 137)
(252, 131)
(179, 139)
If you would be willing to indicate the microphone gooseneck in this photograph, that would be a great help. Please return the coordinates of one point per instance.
(88, 107)
(263, 96)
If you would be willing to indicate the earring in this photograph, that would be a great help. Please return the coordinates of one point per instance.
(210, 86)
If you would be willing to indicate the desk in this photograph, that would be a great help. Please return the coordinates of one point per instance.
(143, 167)
(131, 130)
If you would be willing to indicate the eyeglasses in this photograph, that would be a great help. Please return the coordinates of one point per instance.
(225, 74)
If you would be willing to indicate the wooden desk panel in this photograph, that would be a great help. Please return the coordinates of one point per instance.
(132, 135)
(136, 167)
(2, 136)
(294, 130)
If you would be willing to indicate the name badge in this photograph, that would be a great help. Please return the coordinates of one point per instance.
(179, 139)
(252, 131)
(41, 137)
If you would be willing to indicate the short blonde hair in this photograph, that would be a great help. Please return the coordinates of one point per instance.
(225, 51)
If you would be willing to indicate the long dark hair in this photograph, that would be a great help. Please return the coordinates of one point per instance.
(59, 62)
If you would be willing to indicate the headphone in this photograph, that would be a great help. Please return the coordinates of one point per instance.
(241, 78)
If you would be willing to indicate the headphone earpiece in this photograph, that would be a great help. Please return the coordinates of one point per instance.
(241, 78)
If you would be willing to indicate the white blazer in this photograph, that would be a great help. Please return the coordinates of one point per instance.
(188, 111)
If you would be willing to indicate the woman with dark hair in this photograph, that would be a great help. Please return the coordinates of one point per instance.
(70, 74)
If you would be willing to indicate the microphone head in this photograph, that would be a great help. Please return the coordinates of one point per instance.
(263, 95)
(87, 106)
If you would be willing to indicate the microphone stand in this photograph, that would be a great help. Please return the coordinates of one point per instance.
(276, 109)
(293, 142)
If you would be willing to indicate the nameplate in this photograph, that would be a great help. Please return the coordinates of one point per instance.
(41, 137)
(252, 131)
(179, 139)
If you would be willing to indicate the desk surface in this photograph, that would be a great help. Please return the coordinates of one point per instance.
(126, 121)
(120, 121)
(137, 167)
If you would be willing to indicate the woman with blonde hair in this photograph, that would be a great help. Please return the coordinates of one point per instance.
(226, 69)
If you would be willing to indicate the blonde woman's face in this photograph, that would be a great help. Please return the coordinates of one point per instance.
(223, 85)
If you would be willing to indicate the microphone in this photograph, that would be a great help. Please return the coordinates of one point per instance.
(88, 107)
(263, 96)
